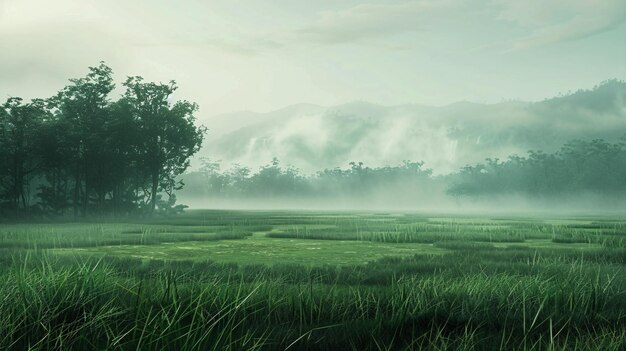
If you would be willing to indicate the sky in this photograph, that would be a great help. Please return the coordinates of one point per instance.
(262, 55)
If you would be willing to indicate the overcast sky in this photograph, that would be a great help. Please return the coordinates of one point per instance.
(262, 55)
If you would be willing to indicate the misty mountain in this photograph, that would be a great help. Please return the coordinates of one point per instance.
(313, 137)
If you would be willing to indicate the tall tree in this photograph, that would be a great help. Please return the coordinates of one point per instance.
(19, 125)
(169, 136)
(83, 108)
(123, 141)
(56, 173)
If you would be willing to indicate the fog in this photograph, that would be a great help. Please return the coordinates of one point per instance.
(446, 138)
(563, 154)
(589, 204)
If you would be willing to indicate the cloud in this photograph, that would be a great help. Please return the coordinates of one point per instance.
(542, 23)
(358, 24)
(43, 45)
(38, 61)
(556, 21)
(367, 21)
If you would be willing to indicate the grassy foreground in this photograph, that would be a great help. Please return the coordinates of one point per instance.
(315, 281)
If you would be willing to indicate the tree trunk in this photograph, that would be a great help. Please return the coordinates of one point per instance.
(153, 194)
(15, 190)
(115, 199)
(85, 198)
(76, 192)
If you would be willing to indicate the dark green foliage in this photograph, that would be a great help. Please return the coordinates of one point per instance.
(591, 167)
(82, 153)
(20, 128)
(167, 138)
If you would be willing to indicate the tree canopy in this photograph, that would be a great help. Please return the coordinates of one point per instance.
(82, 152)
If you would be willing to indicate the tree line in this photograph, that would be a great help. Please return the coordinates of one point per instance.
(81, 152)
(595, 166)
(580, 166)
(276, 180)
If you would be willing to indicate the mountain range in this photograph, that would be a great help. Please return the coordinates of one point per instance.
(312, 137)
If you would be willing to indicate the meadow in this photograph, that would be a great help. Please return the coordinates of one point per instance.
(278, 280)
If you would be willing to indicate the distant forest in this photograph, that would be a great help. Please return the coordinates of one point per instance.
(274, 180)
(80, 152)
(595, 166)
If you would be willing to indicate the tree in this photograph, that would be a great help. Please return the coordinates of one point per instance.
(123, 142)
(168, 138)
(83, 109)
(82, 150)
(19, 127)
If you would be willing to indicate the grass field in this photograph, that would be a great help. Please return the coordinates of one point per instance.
(239, 280)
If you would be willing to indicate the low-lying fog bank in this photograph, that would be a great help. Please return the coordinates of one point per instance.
(581, 204)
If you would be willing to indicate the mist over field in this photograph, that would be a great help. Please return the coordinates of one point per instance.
(413, 157)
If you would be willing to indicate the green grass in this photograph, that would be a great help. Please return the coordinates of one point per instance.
(260, 250)
(315, 281)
